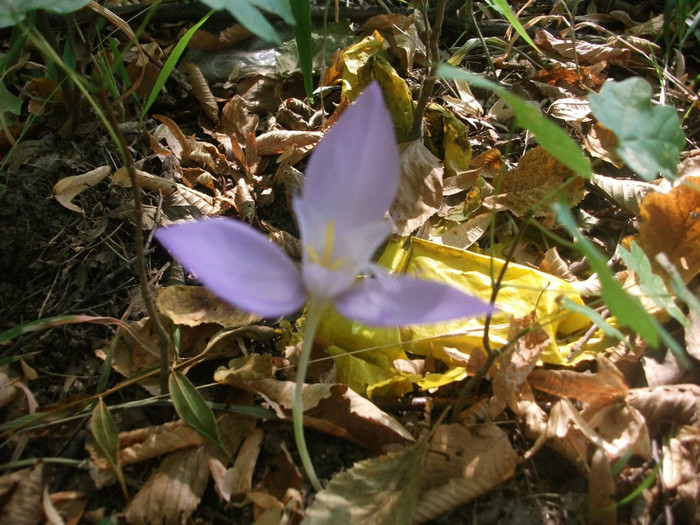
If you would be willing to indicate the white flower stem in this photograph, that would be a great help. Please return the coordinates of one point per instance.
(313, 317)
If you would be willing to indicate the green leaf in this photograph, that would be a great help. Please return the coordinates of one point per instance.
(381, 490)
(8, 102)
(550, 136)
(248, 13)
(502, 7)
(104, 430)
(15, 11)
(171, 63)
(302, 34)
(649, 137)
(192, 408)
(651, 284)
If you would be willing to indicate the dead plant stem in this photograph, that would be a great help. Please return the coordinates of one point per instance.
(429, 82)
(163, 336)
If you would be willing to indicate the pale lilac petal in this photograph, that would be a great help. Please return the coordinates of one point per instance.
(238, 264)
(328, 253)
(353, 174)
(401, 300)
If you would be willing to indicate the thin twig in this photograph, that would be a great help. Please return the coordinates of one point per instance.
(429, 83)
(163, 336)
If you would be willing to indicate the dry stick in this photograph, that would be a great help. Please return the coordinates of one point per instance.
(491, 353)
(429, 83)
(163, 336)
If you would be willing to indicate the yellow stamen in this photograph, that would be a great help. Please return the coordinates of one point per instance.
(326, 259)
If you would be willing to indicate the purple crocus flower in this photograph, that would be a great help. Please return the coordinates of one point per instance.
(351, 181)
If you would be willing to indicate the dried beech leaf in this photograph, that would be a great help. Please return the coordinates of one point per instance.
(601, 143)
(150, 442)
(553, 264)
(512, 368)
(184, 143)
(195, 305)
(238, 480)
(681, 471)
(68, 187)
(535, 176)
(377, 491)
(336, 410)
(237, 119)
(463, 463)
(177, 194)
(692, 335)
(173, 492)
(245, 368)
(21, 496)
(605, 385)
(420, 189)
(585, 52)
(670, 223)
(202, 92)
(467, 233)
(276, 142)
(601, 491)
(668, 405)
(628, 194)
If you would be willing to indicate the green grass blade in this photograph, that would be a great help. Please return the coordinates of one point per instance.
(302, 33)
(171, 63)
(502, 7)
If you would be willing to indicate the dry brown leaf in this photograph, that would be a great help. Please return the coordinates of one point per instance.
(535, 176)
(335, 410)
(512, 368)
(68, 187)
(601, 492)
(420, 188)
(586, 52)
(173, 492)
(692, 335)
(177, 194)
(667, 405)
(203, 39)
(21, 495)
(202, 92)
(552, 263)
(245, 368)
(468, 232)
(195, 305)
(146, 443)
(70, 505)
(463, 463)
(44, 94)
(276, 142)
(670, 223)
(601, 143)
(235, 482)
(237, 119)
(681, 471)
(606, 385)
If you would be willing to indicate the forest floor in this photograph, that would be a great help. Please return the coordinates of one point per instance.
(569, 410)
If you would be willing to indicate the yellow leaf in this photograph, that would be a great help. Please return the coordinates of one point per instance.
(524, 290)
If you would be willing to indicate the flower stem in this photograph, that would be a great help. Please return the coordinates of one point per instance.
(313, 317)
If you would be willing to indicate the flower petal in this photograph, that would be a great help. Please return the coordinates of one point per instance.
(353, 173)
(401, 300)
(238, 264)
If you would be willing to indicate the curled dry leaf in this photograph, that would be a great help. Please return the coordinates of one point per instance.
(586, 52)
(202, 92)
(681, 471)
(336, 410)
(277, 142)
(669, 405)
(147, 443)
(628, 194)
(68, 187)
(606, 385)
(420, 188)
(173, 492)
(670, 224)
(463, 463)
